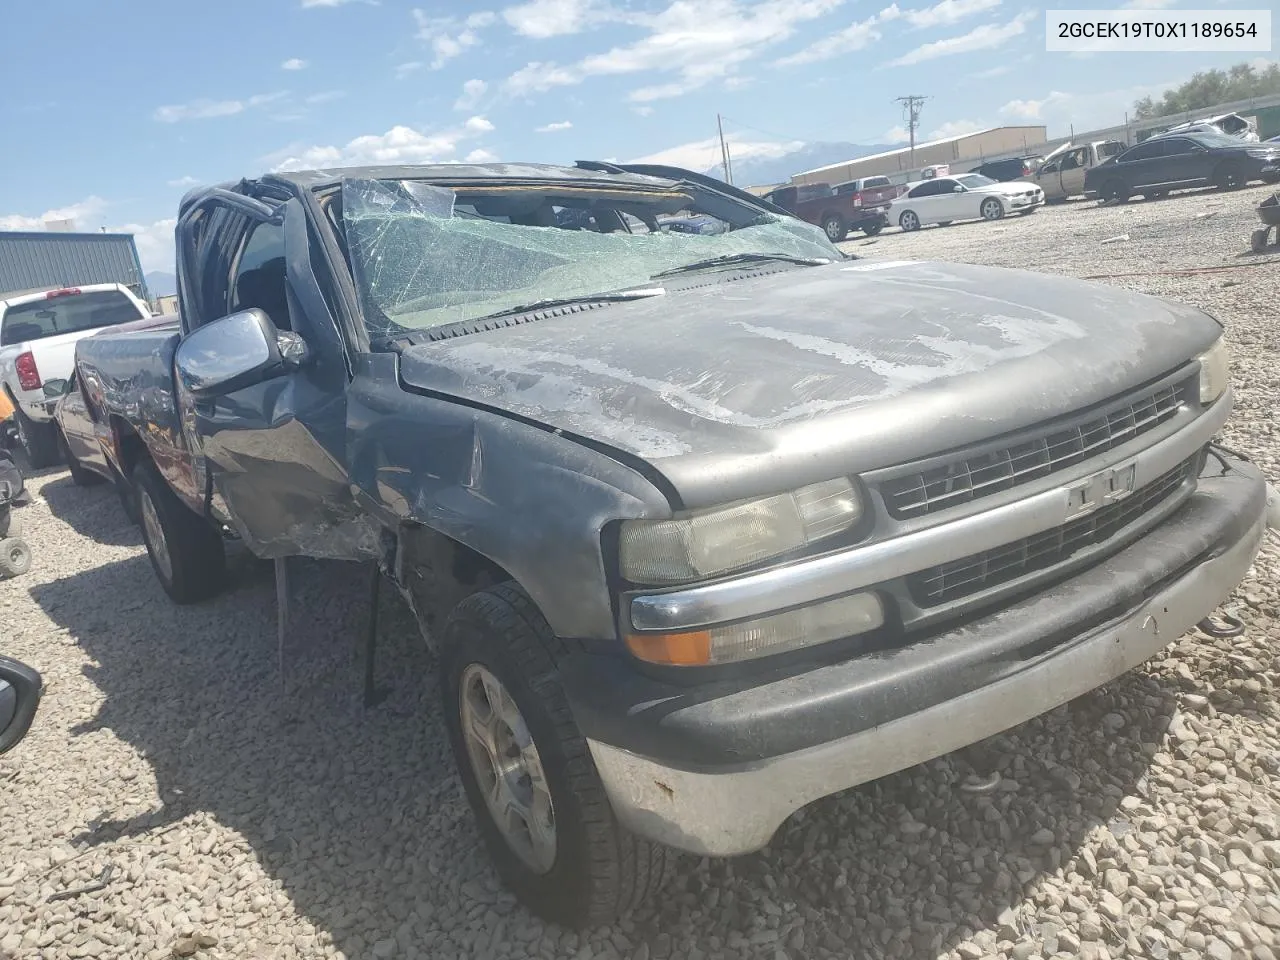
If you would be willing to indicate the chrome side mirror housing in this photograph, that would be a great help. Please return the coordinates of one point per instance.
(237, 351)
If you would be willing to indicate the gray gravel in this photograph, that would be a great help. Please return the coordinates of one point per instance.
(248, 815)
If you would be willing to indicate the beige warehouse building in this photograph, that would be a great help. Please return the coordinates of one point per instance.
(963, 151)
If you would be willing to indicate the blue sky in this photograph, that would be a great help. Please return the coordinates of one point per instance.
(113, 110)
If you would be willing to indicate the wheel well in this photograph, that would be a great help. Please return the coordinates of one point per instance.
(435, 572)
(130, 448)
(832, 215)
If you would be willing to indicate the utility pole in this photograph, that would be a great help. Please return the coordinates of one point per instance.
(911, 105)
(724, 151)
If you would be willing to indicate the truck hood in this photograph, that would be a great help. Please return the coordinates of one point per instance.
(735, 389)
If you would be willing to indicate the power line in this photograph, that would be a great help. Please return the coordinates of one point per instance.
(911, 105)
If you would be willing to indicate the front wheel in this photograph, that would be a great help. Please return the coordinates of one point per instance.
(1114, 191)
(991, 209)
(186, 552)
(835, 228)
(39, 440)
(528, 772)
(909, 221)
(871, 229)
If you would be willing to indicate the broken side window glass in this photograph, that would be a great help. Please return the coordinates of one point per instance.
(424, 256)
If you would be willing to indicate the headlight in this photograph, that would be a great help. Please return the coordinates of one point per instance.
(790, 630)
(711, 542)
(1215, 372)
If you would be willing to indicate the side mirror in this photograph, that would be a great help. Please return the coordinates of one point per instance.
(958, 188)
(237, 351)
(20, 689)
(53, 389)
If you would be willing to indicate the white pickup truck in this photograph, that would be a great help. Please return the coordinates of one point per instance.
(38, 334)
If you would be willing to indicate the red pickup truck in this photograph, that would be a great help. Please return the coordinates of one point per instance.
(853, 205)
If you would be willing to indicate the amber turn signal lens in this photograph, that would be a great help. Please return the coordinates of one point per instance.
(680, 649)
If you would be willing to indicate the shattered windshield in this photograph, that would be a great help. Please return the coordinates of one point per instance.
(423, 256)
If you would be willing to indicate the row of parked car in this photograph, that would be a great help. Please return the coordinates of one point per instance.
(1188, 155)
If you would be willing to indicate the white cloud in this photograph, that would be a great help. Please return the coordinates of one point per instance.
(700, 41)
(554, 127)
(472, 92)
(204, 109)
(956, 128)
(198, 110)
(997, 71)
(857, 36)
(1027, 109)
(705, 154)
(154, 242)
(326, 96)
(897, 134)
(183, 182)
(404, 69)
(947, 12)
(985, 37)
(448, 37)
(481, 155)
(400, 144)
(540, 19)
(86, 214)
(293, 63)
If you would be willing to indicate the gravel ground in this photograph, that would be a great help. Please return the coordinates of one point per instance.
(248, 813)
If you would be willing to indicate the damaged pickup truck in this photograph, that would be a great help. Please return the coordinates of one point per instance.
(703, 527)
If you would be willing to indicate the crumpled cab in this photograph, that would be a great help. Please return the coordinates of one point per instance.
(703, 527)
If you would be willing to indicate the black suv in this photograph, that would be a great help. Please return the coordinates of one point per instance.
(1011, 168)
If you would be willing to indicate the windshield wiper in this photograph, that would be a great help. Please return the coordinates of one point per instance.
(732, 258)
(553, 302)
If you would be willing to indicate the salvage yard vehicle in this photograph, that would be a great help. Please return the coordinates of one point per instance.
(1168, 162)
(837, 212)
(1228, 124)
(15, 552)
(38, 334)
(1010, 168)
(703, 528)
(20, 689)
(1062, 174)
(968, 196)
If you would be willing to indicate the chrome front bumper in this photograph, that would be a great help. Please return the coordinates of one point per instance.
(732, 810)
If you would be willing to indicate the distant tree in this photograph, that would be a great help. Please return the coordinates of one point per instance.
(1212, 86)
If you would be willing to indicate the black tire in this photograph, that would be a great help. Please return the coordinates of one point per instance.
(39, 441)
(871, 229)
(835, 228)
(1230, 176)
(600, 870)
(1114, 191)
(15, 557)
(909, 221)
(197, 562)
(80, 476)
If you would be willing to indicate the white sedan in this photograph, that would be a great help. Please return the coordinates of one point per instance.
(969, 196)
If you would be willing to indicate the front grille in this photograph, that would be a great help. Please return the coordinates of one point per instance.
(958, 579)
(1056, 447)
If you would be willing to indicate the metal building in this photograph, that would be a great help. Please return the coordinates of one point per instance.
(965, 151)
(32, 260)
